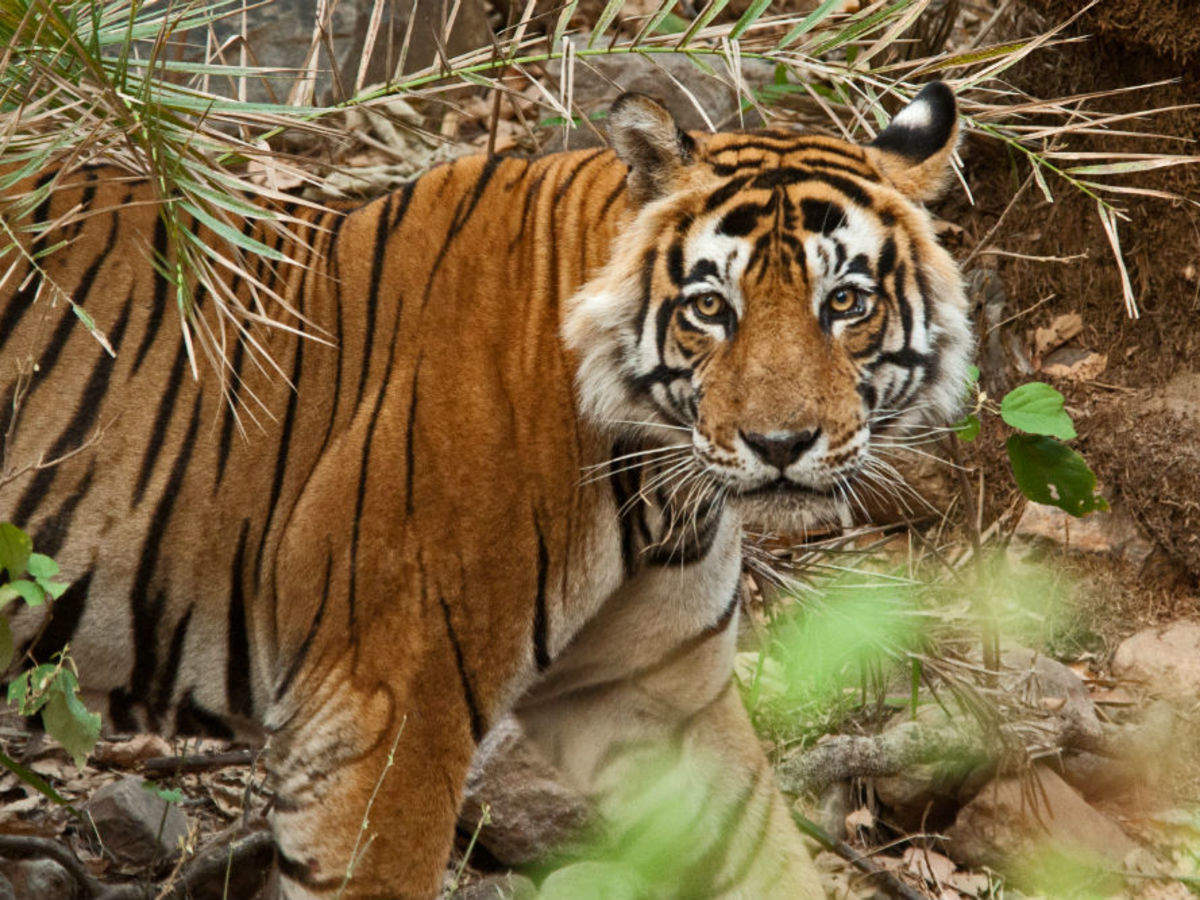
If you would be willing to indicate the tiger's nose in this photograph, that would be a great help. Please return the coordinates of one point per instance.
(781, 448)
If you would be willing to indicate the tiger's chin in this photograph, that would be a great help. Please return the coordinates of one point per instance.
(785, 511)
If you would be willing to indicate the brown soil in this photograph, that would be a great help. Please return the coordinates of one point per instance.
(1137, 429)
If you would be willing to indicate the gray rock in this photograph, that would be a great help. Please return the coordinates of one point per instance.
(498, 887)
(35, 879)
(599, 80)
(135, 825)
(1166, 658)
(1045, 682)
(279, 35)
(1009, 823)
(531, 810)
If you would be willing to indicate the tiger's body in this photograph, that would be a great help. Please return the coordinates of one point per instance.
(409, 546)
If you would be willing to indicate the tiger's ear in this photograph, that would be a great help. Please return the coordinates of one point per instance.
(914, 151)
(646, 139)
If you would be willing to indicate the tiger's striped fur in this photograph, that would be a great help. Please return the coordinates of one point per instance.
(409, 546)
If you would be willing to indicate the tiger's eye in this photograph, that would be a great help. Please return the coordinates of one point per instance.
(709, 305)
(846, 301)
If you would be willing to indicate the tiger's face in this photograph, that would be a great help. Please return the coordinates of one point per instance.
(779, 305)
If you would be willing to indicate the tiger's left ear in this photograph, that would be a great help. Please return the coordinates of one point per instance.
(646, 139)
(914, 151)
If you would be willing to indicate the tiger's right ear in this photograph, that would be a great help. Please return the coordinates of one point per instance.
(646, 139)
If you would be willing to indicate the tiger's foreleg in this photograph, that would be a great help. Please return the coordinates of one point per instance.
(667, 750)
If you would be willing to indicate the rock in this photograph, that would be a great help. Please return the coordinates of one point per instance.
(598, 81)
(280, 35)
(510, 886)
(1111, 534)
(1006, 825)
(832, 808)
(1074, 364)
(531, 810)
(35, 879)
(1167, 658)
(134, 824)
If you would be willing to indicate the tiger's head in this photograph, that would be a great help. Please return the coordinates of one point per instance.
(778, 304)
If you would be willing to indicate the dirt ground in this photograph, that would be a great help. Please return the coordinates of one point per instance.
(1138, 420)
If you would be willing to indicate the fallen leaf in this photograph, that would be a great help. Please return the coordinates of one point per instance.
(860, 818)
(126, 754)
(1075, 365)
(973, 884)
(928, 864)
(1060, 330)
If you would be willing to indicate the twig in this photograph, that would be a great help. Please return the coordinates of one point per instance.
(890, 882)
(199, 762)
(1000, 221)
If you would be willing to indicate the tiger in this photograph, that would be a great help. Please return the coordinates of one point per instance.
(500, 467)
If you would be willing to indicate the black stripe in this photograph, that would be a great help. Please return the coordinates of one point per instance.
(120, 712)
(741, 220)
(409, 439)
(306, 644)
(380, 252)
(477, 727)
(146, 613)
(52, 532)
(227, 423)
(194, 720)
(64, 617)
(403, 199)
(62, 332)
(541, 625)
(821, 216)
(162, 419)
(86, 411)
(159, 305)
(723, 193)
(364, 468)
(565, 184)
(648, 262)
(285, 441)
(795, 175)
(165, 689)
(23, 298)
(239, 700)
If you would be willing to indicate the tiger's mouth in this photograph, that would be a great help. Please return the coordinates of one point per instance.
(786, 488)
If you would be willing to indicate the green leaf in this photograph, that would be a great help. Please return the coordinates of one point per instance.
(27, 591)
(1038, 409)
(42, 566)
(1050, 472)
(968, 428)
(6, 644)
(53, 588)
(15, 547)
(17, 689)
(70, 723)
(171, 795)
(752, 14)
